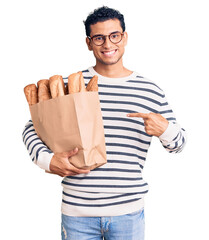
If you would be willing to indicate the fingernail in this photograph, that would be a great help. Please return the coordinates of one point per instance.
(128, 115)
(75, 149)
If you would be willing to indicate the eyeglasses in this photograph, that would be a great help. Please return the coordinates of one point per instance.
(114, 37)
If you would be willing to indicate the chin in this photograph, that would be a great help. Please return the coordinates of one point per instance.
(110, 62)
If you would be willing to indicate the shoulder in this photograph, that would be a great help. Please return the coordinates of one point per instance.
(144, 82)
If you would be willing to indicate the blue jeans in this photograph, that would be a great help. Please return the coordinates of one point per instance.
(124, 227)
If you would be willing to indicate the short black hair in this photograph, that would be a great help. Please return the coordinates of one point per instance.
(103, 14)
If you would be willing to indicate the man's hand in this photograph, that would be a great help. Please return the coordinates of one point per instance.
(61, 166)
(155, 124)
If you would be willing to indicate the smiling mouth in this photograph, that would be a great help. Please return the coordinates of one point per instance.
(109, 53)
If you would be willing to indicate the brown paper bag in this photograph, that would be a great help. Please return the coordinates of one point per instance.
(70, 121)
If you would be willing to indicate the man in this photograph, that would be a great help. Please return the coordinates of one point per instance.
(108, 201)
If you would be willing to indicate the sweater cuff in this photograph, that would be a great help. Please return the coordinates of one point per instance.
(170, 133)
(44, 160)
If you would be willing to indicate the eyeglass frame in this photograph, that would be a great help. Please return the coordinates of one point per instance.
(91, 38)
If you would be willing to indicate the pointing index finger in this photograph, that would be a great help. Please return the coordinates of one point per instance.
(141, 115)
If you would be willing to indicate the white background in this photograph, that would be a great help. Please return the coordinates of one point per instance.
(169, 44)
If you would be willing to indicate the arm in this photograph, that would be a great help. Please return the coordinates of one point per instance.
(41, 155)
(164, 126)
(174, 137)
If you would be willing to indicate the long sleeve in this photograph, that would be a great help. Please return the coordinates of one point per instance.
(174, 138)
(39, 153)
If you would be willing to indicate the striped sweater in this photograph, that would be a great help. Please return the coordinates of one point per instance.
(117, 187)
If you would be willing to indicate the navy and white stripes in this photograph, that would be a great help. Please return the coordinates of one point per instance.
(118, 186)
(32, 141)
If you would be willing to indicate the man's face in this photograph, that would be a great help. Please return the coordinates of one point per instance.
(108, 53)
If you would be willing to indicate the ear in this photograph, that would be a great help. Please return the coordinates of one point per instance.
(88, 42)
(125, 38)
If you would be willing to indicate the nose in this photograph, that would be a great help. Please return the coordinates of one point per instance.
(107, 42)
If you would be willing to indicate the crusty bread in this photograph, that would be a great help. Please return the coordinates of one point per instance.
(73, 83)
(31, 93)
(57, 87)
(82, 87)
(93, 84)
(76, 83)
(43, 90)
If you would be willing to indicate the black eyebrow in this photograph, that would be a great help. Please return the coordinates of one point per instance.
(98, 35)
(115, 32)
(105, 35)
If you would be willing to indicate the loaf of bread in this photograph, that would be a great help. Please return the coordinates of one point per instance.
(93, 84)
(76, 83)
(57, 86)
(43, 90)
(31, 93)
(82, 87)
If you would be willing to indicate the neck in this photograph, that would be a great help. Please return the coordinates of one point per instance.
(112, 71)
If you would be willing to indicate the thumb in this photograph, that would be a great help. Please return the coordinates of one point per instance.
(71, 152)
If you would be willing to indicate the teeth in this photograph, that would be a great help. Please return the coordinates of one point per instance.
(109, 53)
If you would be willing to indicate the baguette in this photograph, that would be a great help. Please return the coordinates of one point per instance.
(76, 83)
(43, 90)
(57, 86)
(31, 93)
(93, 84)
(82, 87)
